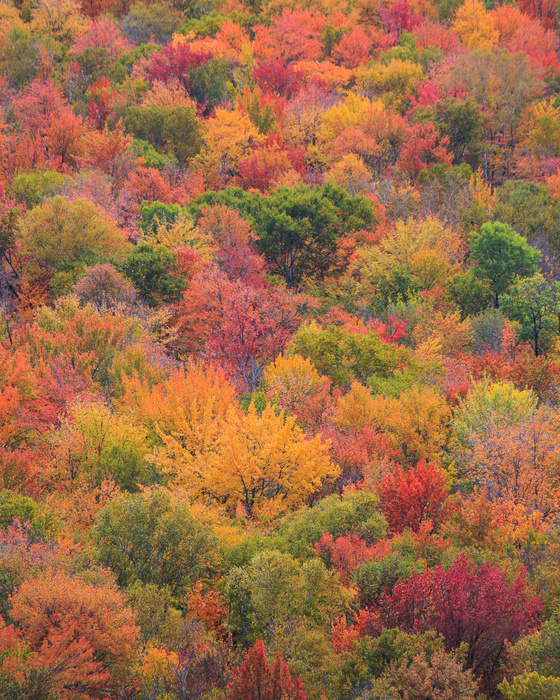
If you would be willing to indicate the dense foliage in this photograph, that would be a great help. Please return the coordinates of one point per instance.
(279, 350)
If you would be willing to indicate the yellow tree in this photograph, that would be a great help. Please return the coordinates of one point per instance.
(351, 172)
(296, 386)
(394, 83)
(59, 19)
(230, 137)
(417, 424)
(263, 462)
(475, 26)
(189, 405)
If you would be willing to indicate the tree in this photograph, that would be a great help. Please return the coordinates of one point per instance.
(531, 210)
(240, 327)
(257, 680)
(142, 22)
(175, 60)
(60, 20)
(416, 424)
(197, 664)
(231, 137)
(296, 386)
(190, 404)
(531, 686)
(475, 26)
(232, 240)
(274, 594)
(394, 82)
(502, 83)
(104, 287)
(81, 631)
(535, 303)
(408, 499)
(423, 147)
(353, 48)
(370, 671)
(149, 538)
(298, 229)
(154, 272)
(33, 187)
(468, 604)
(500, 255)
(175, 130)
(260, 462)
(22, 677)
(437, 677)
(506, 444)
(461, 122)
(93, 445)
(60, 235)
(344, 356)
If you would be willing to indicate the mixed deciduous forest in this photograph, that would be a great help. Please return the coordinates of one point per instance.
(279, 350)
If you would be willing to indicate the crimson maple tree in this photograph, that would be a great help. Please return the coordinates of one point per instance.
(475, 605)
(256, 679)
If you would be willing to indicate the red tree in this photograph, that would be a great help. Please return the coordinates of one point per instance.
(276, 76)
(410, 498)
(242, 328)
(423, 147)
(175, 61)
(257, 680)
(465, 604)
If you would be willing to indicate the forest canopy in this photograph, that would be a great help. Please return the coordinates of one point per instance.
(279, 350)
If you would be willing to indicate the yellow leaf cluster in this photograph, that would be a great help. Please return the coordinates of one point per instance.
(393, 83)
(351, 112)
(356, 409)
(291, 379)
(230, 137)
(256, 461)
(426, 247)
(9, 19)
(60, 19)
(417, 424)
(475, 26)
(188, 406)
(351, 173)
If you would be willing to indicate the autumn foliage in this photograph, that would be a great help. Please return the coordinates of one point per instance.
(279, 350)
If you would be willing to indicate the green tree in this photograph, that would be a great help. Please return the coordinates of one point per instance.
(175, 130)
(535, 303)
(541, 651)
(274, 594)
(43, 522)
(155, 214)
(60, 238)
(355, 513)
(531, 210)
(19, 56)
(461, 122)
(298, 228)
(372, 656)
(145, 21)
(471, 295)
(500, 255)
(153, 270)
(531, 686)
(34, 186)
(343, 356)
(148, 538)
